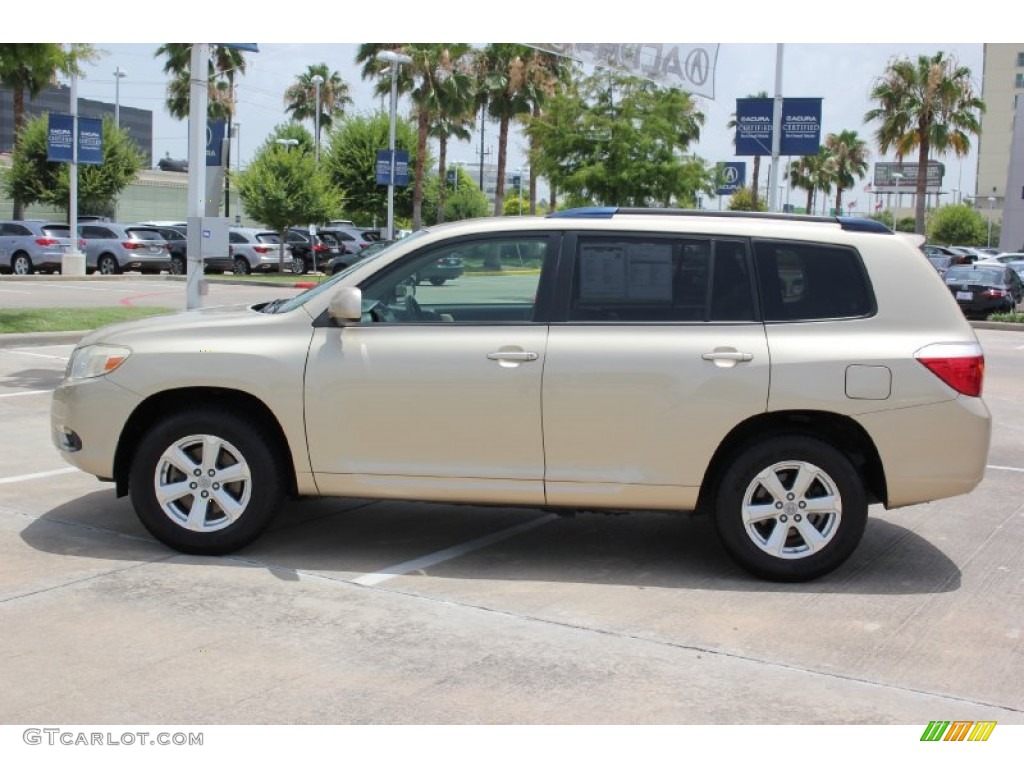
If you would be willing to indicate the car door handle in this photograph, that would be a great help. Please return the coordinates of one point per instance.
(727, 357)
(515, 357)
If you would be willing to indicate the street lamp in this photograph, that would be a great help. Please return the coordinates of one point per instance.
(118, 74)
(895, 210)
(395, 59)
(287, 143)
(991, 202)
(317, 79)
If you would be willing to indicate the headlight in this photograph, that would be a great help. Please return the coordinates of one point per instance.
(95, 360)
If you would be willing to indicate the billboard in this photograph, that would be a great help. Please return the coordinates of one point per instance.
(886, 182)
(59, 144)
(801, 127)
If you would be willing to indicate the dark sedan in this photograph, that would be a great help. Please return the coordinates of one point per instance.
(981, 289)
(438, 272)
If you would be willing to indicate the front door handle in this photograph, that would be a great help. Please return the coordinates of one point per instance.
(513, 357)
(736, 357)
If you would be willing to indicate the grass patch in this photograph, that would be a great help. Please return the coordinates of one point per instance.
(78, 319)
(1007, 317)
(271, 278)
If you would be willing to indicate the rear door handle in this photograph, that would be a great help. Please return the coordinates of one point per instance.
(514, 357)
(736, 357)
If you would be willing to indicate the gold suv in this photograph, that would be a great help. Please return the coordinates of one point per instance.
(779, 372)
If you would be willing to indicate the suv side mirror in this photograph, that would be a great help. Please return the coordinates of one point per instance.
(346, 305)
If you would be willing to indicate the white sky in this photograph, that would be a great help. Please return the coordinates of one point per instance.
(818, 61)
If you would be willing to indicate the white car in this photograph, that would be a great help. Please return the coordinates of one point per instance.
(772, 371)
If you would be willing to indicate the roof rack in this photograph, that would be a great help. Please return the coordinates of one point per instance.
(851, 223)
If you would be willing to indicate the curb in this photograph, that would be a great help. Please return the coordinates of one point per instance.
(156, 278)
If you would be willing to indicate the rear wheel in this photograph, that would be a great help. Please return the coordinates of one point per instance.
(107, 265)
(241, 266)
(177, 265)
(437, 281)
(790, 508)
(299, 266)
(206, 482)
(21, 264)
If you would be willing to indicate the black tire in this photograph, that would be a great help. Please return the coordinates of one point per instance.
(107, 265)
(21, 264)
(244, 459)
(241, 266)
(299, 266)
(178, 266)
(437, 281)
(814, 543)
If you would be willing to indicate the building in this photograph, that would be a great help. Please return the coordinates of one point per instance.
(1002, 82)
(138, 122)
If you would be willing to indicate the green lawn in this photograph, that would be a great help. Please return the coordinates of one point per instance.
(80, 319)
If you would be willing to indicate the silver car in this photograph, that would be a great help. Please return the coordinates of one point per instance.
(33, 246)
(771, 371)
(112, 248)
(254, 250)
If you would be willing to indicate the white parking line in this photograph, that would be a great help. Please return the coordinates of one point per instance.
(370, 579)
(1007, 469)
(37, 475)
(29, 392)
(33, 354)
(12, 290)
(111, 289)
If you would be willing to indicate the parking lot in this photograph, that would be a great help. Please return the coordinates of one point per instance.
(359, 612)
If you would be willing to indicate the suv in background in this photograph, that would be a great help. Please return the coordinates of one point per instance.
(772, 371)
(30, 246)
(254, 250)
(351, 240)
(177, 242)
(112, 248)
(309, 252)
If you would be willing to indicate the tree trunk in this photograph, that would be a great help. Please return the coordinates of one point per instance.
(754, 182)
(423, 121)
(922, 186)
(499, 188)
(442, 191)
(19, 121)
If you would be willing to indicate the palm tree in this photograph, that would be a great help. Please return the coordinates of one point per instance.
(925, 105)
(300, 98)
(432, 64)
(506, 72)
(454, 103)
(31, 67)
(225, 64)
(546, 74)
(811, 172)
(757, 158)
(848, 158)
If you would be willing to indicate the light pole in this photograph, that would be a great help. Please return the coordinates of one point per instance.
(317, 79)
(287, 143)
(118, 74)
(991, 202)
(395, 59)
(895, 210)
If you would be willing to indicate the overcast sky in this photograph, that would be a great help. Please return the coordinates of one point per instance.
(841, 73)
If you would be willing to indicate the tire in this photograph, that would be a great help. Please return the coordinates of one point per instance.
(241, 266)
(760, 491)
(437, 281)
(237, 467)
(21, 264)
(107, 265)
(178, 266)
(299, 266)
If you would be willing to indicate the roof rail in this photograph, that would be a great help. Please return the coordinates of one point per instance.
(850, 223)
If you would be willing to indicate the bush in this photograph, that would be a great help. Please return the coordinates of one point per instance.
(957, 225)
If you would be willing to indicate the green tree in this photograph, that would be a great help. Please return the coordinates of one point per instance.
(300, 98)
(350, 160)
(847, 161)
(462, 200)
(620, 140)
(31, 67)
(927, 105)
(33, 179)
(957, 225)
(455, 108)
(547, 74)
(743, 199)
(812, 173)
(756, 178)
(224, 64)
(284, 187)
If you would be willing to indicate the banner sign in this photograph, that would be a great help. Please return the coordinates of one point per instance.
(401, 167)
(687, 66)
(885, 182)
(801, 127)
(731, 177)
(215, 130)
(90, 141)
(59, 142)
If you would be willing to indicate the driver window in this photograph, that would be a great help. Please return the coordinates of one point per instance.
(468, 281)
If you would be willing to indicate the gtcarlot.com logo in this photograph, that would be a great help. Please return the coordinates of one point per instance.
(958, 730)
(58, 736)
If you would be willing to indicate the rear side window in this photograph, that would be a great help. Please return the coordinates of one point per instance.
(644, 279)
(144, 234)
(268, 237)
(811, 281)
(57, 231)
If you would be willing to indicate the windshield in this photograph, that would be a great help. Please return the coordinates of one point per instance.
(297, 301)
(974, 275)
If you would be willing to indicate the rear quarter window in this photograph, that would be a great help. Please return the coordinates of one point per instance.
(812, 281)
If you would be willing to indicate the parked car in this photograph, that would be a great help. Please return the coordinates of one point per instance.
(33, 246)
(351, 239)
(1003, 258)
(972, 254)
(943, 263)
(981, 289)
(308, 251)
(177, 242)
(770, 370)
(112, 248)
(345, 260)
(438, 272)
(254, 250)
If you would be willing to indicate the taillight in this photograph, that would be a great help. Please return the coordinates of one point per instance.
(960, 365)
(319, 248)
(261, 248)
(131, 245)
(994, 293)
(81, 244)
(47, 241)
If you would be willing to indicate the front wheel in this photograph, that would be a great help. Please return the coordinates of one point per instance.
(178, 266)
(437, 281)
(206, 482)
(241, 266)
(21, 264)
(790, 508)
(107, 265)
(299, 265)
